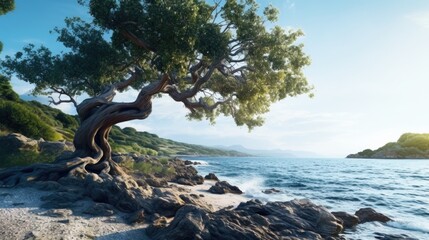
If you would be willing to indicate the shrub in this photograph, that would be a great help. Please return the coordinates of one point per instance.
(17, 117)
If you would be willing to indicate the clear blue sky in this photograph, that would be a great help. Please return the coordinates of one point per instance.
(370, 69)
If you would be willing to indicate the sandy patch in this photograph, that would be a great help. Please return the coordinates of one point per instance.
(218, 201)
(22, 218)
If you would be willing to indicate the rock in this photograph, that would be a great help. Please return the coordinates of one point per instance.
(270, 191)
(298, 219)
(156, 182)
(195, 200)
(166, 203)
(188, 223)
(211, 176)
(184, 174)
(58, 213)
(370, 215)
(136, 217)
(383, 236)
(184, 181)
(224, 187)
(187, 162)
(60, 200)
(157, 224)
(100, 210)
(120, 158)
(348, 220)
(56, 148)
(16, 141)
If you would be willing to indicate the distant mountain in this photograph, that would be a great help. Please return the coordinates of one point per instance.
(408, 146)
(270, 153)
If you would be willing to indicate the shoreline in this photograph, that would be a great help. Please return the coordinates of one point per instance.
(23, 216)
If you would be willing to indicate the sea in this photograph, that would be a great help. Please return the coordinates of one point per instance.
(396, 188)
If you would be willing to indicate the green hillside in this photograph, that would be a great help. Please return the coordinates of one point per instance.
(36, 120)
(409, 145)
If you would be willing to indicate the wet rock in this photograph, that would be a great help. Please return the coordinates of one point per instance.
(187, 162)
(211, 176)
(298, 219)
(270, 191)
(383, 236)
(370, 215)
(348, 220)
(224, 187)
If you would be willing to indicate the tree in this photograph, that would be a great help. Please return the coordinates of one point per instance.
(215, 59)
(6, 6)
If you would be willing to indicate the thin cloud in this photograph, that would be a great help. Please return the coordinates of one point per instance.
(420, 18)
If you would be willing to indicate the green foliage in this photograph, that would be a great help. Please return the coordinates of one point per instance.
(244, 67)
(6, 91)
(409, 145)
(19, 118)
(419, 141)
(150, 168)
(23, 158)
(6, 6)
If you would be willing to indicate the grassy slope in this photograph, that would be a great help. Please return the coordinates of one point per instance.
(409, 145)
(36, 120)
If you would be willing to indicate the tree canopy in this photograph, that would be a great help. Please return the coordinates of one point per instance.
(215, 57)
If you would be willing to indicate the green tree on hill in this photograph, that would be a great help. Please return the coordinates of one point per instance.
(215, 59)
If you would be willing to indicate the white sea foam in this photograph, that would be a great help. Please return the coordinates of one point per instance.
(417, 226)
(201, 162)
(253, 187)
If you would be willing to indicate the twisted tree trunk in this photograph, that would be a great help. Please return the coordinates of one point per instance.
(93, 152)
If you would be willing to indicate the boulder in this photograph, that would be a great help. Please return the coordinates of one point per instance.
(56, 148)
(166, 203)
(224, 187)
(348, 220)
(270, 191)
(120, 158)
(16, 141)
(370, 215)
(136, 217)
(297, 219)
(211, 176)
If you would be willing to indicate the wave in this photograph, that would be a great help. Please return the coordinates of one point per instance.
(422, 227)
(200, 162)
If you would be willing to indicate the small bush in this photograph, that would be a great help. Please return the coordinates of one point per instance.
(17, 117)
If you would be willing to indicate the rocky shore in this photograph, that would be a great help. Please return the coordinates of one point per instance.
(173, 202)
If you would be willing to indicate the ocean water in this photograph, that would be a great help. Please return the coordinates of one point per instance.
(396, 188)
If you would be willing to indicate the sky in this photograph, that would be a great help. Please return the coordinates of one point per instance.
(370, 71)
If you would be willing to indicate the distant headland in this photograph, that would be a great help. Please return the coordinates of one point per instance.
(408, 146)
